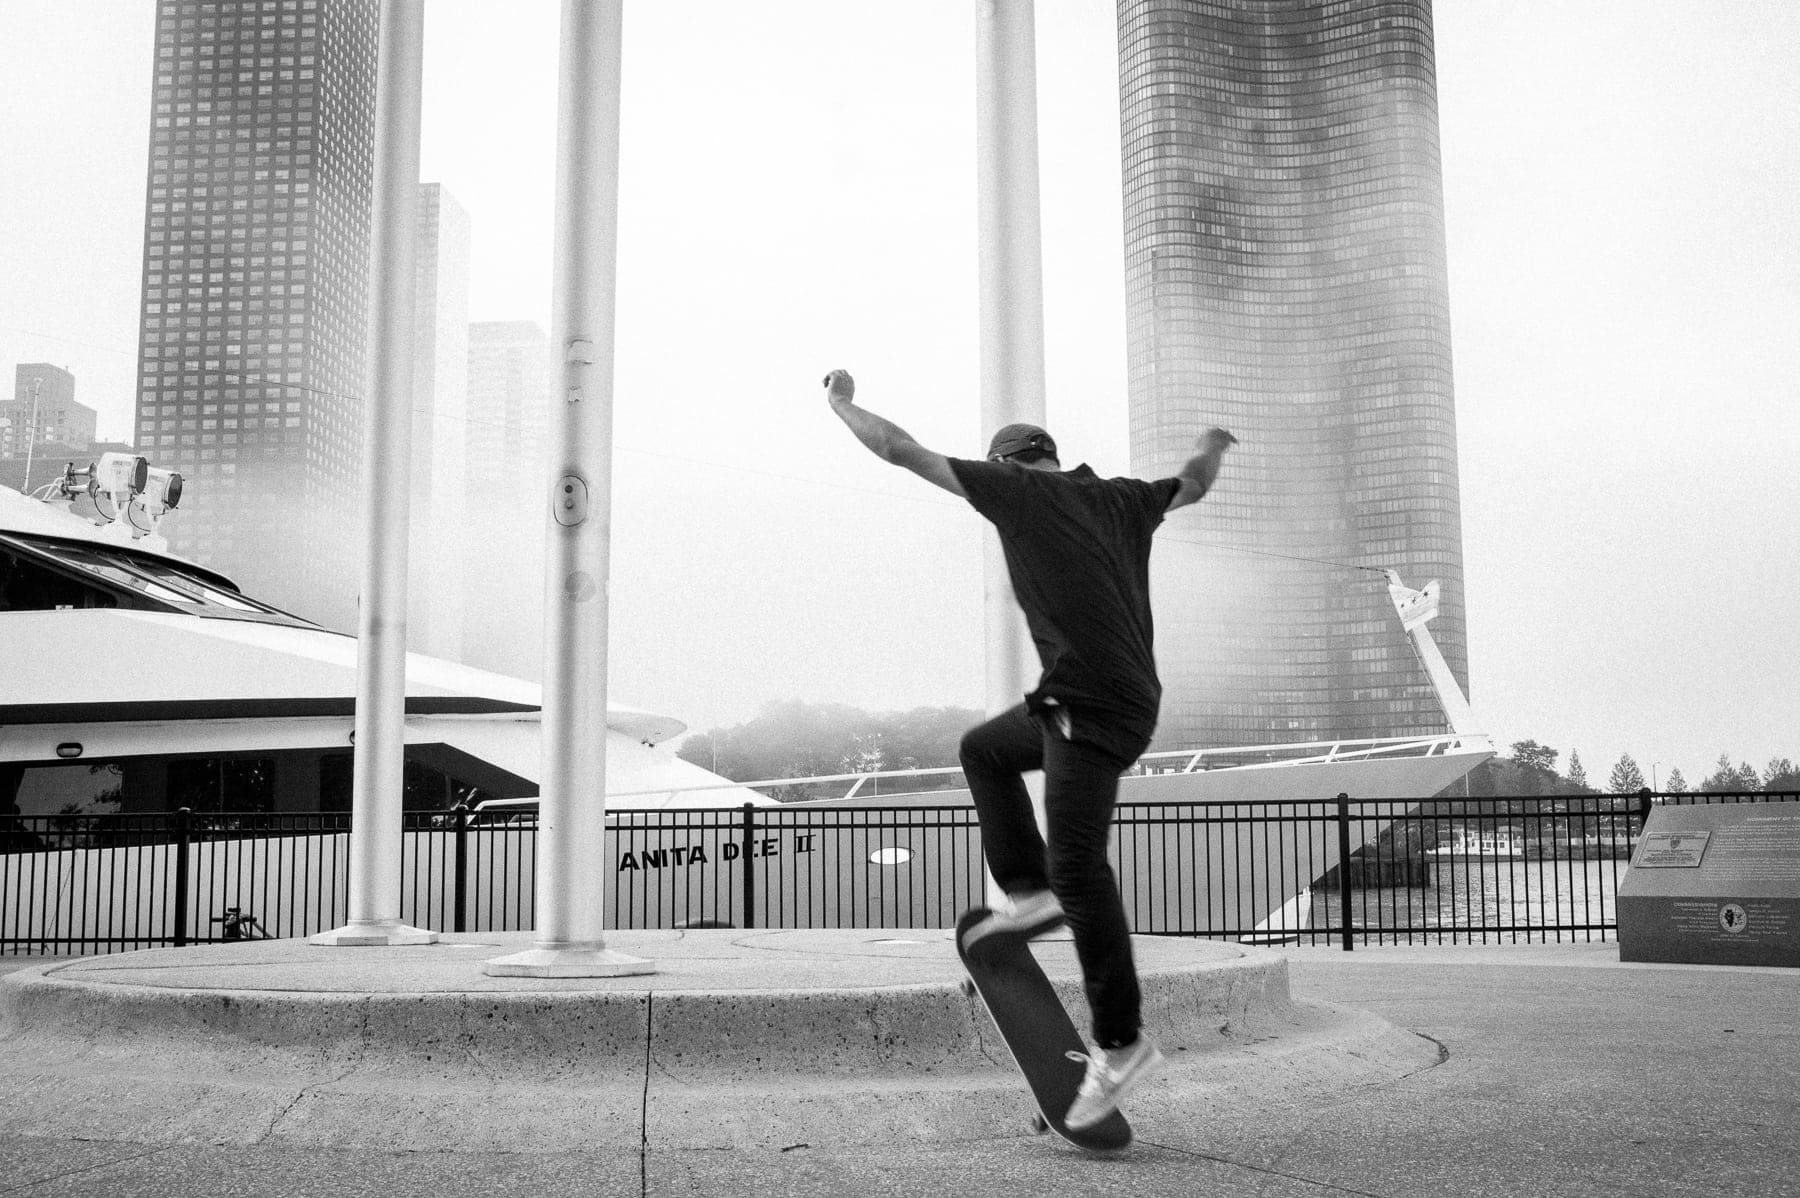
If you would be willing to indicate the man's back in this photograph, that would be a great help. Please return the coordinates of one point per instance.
(1078, 551)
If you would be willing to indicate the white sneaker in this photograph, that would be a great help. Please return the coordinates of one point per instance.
(1111, 1074)
(1030, 914)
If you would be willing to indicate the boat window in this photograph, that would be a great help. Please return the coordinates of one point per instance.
(77, 788)
(424, 787)
(240, 784)
(42, 576)
(194, 586)
(115, 572)
(29, 584)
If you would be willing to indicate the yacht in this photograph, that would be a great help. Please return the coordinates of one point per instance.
(138, 681)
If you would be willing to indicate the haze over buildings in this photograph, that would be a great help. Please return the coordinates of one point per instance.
(1285, 277)
(1623, 253)
(254, 303)
(505, 435)
(256, 241)
(438, 540)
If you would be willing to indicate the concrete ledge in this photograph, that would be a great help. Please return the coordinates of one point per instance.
(740, 1038)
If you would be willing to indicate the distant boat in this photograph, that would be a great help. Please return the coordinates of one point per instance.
(1480, 845)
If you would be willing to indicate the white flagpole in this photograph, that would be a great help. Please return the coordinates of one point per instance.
(379, 775)
(571, 865)
(1012, 307)
(1011, 291)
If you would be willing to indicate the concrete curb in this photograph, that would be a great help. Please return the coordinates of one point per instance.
(623, 1064)
(856, 1018)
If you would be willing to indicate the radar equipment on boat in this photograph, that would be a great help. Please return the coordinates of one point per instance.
(121, 478)
(139, 496)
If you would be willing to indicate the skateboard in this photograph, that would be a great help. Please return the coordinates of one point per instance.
(1037, 1031)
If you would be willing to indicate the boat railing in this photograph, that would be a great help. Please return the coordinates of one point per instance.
(913, 782)
(1311, 752)
(851, 786)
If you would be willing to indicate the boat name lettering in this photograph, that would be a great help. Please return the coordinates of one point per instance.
(696, 854)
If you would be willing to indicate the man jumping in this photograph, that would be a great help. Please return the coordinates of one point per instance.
(1078, 551)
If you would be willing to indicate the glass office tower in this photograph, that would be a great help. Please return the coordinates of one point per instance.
(256, 244)
(510, 388)
(1285, 278)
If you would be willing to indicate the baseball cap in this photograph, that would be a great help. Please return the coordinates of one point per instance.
(1017, 438)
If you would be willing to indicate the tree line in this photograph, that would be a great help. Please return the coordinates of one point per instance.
(793, 739)
(1531, 770)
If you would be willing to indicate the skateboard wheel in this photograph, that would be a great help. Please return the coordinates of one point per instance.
(968, 986)
(1039, 1125)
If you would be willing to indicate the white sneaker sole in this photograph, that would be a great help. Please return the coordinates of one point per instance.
(1145, 1072)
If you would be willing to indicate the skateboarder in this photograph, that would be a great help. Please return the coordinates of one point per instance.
(1078, 550)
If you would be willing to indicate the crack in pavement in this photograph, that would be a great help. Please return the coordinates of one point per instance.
(644, 1106)
(118, 1160)
(1329, 1187)
(355, 1063)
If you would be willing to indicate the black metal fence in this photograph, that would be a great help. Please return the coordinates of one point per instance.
(1333, 871)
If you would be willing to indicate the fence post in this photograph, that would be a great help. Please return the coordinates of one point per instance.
(749, 872)
(459, 922)
(182, 825)
(1343, 831)
(1643, 808)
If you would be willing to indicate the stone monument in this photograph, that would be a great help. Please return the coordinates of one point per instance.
(1714, 885)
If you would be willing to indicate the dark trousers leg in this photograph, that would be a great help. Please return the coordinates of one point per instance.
(994, 755)
(1081, 785)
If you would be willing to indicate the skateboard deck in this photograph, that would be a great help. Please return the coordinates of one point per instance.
(1037, 1030)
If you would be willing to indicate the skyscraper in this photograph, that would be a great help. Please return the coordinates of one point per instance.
(42, 428)
(508, 425)
(256, 240)
(509, 407)
(43, 409)
(440, 404)
(1285, 278)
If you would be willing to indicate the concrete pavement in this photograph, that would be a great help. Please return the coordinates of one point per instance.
(739, 1038)
(1560, 1072)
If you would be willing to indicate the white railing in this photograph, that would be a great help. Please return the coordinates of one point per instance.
(1186, 761)
(1314, 752)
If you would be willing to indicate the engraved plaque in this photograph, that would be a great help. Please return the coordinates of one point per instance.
(1714, 884)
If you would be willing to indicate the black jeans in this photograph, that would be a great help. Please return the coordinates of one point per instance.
(1081, 785)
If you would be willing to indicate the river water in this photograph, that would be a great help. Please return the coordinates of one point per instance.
(1487, 900)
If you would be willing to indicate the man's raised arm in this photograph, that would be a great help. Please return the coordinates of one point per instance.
(885, 439)
(1201, 469)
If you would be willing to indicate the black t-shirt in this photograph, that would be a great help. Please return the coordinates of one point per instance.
(1078, 550)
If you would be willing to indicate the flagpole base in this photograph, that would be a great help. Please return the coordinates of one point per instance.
(372, 932)
(575, 961)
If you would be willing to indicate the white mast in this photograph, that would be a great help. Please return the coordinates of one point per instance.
(1417, 609)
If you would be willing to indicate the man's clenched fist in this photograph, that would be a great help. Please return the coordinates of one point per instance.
(839, 386)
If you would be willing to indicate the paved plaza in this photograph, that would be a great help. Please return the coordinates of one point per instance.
(1556, 1070)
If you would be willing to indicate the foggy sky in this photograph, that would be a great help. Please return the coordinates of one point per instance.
(1621, 189)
